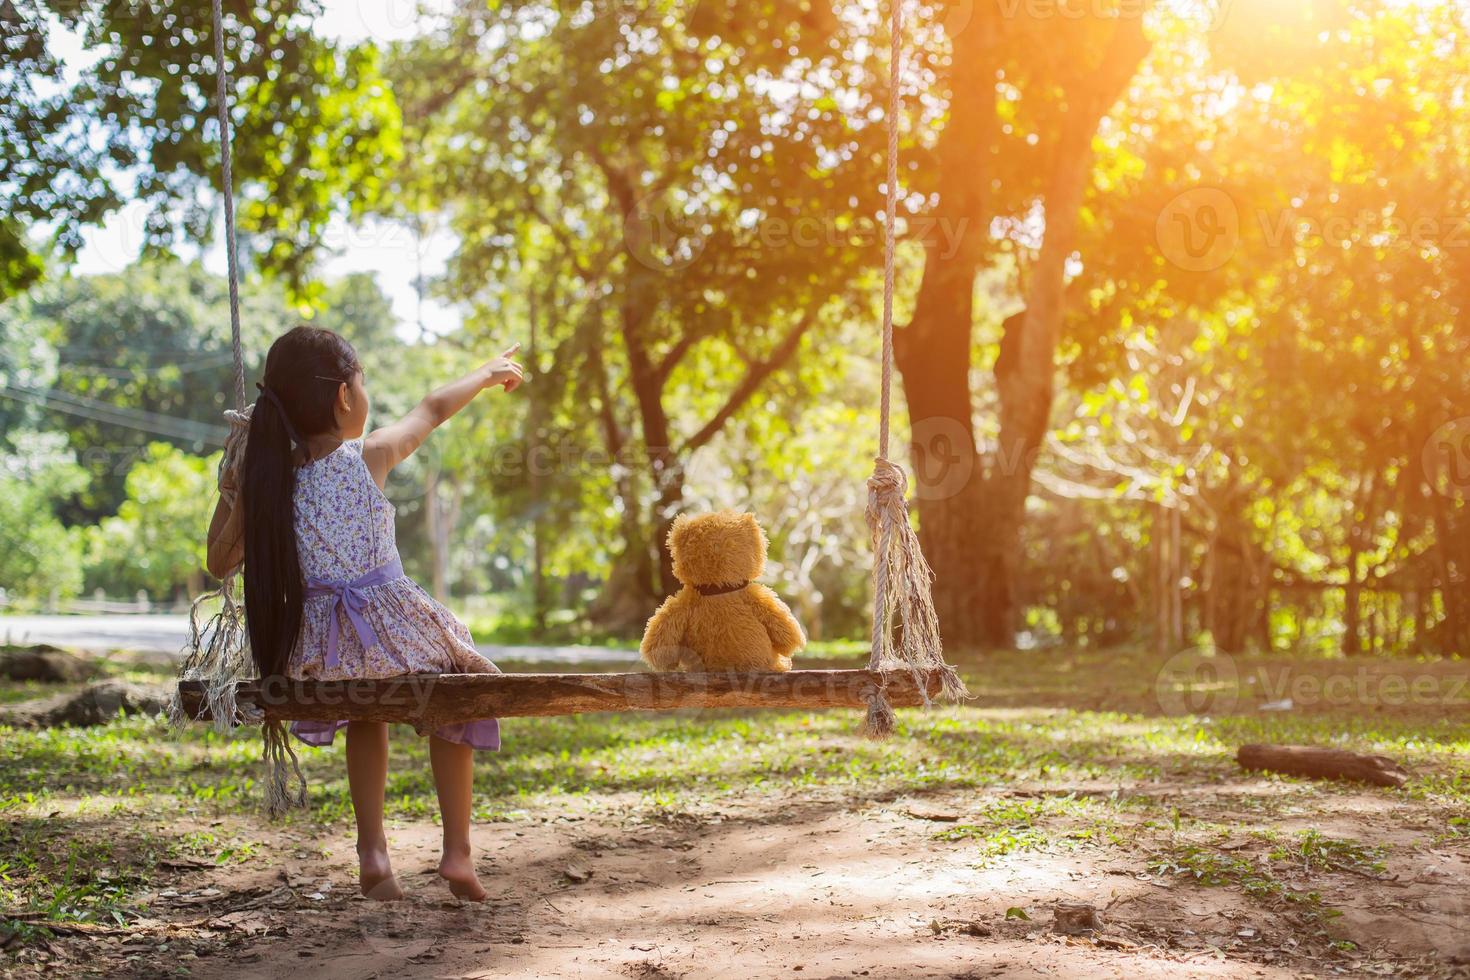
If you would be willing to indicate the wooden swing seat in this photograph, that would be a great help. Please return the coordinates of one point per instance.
(441, 699)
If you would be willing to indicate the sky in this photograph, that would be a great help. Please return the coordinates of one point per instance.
(388, 252)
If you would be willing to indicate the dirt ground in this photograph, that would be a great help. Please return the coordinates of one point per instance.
(812, 887)
(710, 846)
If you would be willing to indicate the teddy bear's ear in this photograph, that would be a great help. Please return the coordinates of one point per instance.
(757, 537)
(676, 530)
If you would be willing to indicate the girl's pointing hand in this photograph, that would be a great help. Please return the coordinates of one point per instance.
(505, 371)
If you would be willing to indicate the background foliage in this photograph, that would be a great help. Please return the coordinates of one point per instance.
(1233, 294)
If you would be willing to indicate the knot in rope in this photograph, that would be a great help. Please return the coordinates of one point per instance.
(888, 485)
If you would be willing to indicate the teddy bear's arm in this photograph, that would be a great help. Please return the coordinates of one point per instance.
(663, 640)
(785, 632)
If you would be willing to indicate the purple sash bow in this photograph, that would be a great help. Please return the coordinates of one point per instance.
(352, 599)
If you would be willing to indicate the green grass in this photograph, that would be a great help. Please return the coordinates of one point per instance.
(76, 803)
(563, 628)
(1205, 866)
(1008, 826)
(1262, 877)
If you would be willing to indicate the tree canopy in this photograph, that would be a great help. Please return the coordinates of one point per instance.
(129, 116)
(1181, 291)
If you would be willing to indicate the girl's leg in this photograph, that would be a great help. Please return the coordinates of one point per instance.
(454, 770)
(367, 774)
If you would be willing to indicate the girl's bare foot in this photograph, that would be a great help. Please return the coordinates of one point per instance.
(459, 871)
(375, 876)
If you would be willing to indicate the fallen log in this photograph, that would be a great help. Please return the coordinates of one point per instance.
(440, 699)
(1320, 763)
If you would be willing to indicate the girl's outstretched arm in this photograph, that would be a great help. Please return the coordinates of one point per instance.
(385, 448)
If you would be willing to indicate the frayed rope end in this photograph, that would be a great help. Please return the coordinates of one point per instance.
(880, 720)
(952, 687)
(281, 765)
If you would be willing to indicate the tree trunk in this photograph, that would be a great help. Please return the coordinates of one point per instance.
(1360, 530)
(438, 532)
(971, 529)
(1168, 572)
(933, 358)
(627, 598)
(1352, 612)
(536, 432)
(652, 358)
(1235, 578)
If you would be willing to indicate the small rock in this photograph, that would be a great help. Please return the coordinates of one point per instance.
(577, 873)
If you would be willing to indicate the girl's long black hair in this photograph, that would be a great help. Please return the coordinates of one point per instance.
(302, 373)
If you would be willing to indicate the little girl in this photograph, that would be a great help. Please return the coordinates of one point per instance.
(325, 593)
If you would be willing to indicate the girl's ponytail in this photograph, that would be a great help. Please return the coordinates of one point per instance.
(273, 585)
(295, 401)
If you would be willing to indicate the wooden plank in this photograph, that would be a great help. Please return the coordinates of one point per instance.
(1320, 763)
(440, 699)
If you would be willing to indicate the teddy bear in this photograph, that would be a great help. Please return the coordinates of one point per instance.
(720, 619)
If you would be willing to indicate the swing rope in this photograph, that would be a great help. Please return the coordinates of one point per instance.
(219, 652)
(903, 583)
(232, 255)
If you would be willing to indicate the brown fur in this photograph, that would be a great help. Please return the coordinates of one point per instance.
(748, 629)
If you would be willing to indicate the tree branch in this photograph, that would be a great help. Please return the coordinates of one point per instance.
(676, 353)
(559, 233)
(754, 378)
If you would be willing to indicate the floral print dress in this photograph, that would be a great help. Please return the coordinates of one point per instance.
(344, 533)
